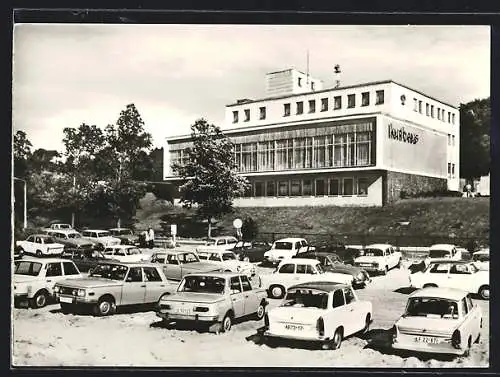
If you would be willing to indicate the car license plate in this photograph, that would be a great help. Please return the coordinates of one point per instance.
(183, 311)
(426, 339)
(294, 327)
(67, 300)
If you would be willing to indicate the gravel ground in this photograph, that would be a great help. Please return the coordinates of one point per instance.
(46, 337)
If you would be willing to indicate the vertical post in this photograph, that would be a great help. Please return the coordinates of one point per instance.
(25, 208)
(73, 212)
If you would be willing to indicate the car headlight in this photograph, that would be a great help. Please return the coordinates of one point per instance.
(360, 276)
(57, 289)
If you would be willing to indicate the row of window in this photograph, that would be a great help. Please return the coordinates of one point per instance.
(429, 111)
(346, 186)
(451, 170)
(324, 105)
(451, 140)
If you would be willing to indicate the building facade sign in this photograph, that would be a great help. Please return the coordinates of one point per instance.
(401, 134)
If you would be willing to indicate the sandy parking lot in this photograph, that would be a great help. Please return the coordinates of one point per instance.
(46, 337)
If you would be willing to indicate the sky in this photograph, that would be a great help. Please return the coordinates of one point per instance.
(68, 74)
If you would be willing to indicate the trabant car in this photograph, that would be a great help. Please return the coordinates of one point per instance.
(125, 253)
(178, 263)
(227, 261)
(481, 259)
(285, 248)
(100, 238)
(218, 243)
(442, 251)
(378, 258)
(40, 245)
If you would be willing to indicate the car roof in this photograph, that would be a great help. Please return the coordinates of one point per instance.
(121, 247)
(217, 274)
(41, 235)
(120, 229)
(43, 260)
(448, 260)
(291, 239)
(442, 246)
(221, 237)
(446, 293)
(64, 230)
(131, 264)
(96, 230)
(325, 286)
(482, 252)
(378, 246)
(300, 260)
(175, 252)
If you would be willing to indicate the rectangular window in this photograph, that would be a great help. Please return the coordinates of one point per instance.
(333, 187)
(300, 107)
(427, 112)
(235, 116)
(449, 139)
(312, 106)
(249, 157)
(351, 100)
(299, 82)
(379, 97)
(286, 110)
(363, 148)
(319, 151)
(439, 113)
(324, 104)
(420, 107)
(337, 102)
(449, 117)
(365, 99)
(283, 188)
(262, 111)
(307, 187)
(452, 170)
(265, 156)
(415, 104)
(453, 140)
(449, 169)
(432, 111)
(259, 189)
(270, 188)
(340, 150)
(248, 192)
(348, 186)
(295, 188)
(329, 151)
(312, 86)
(320, 187)
(362, 186)
(453, 118)
(247, 115)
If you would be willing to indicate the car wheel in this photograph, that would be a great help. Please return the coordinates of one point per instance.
(227, 322)
(38, 253)
(277, 291)
(484, 292)
(261, 311)
(105, 306)
(337, 339)
(39, 300)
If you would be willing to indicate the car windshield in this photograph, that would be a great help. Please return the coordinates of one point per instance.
(109, 271)
(103, 234)
(436, 253)
(160, 258)
(48, 240)
(133, 251)
(211, 242)
(74, 235)
(229, 256)
(320, 268)
(481, 257)
(283, 245)
(27, 268)
(373, 252)
(202, 284)
(431, 307)
(64, 226)
(306, 298)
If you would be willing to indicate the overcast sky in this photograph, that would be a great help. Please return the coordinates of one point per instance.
(68, 74)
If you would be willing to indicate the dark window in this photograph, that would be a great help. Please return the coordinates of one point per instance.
(286, 109)
(420, 107)
(365, 99)
(70, 269)
(362, 186)
(301, 268)
(324, 104)
(337, 102)
(379, 100)
(432, 111)
(295, 191)
(245, 283)
(262, 113)
(349, 296)
(235, 284)
(468, 302)
(348, 186)
(134, 274)
(299, 81)
(460, 269)
(307, 187)
(415, 104)
(464, 305)
(338, 298)
(309, 269)
(270, 186)
(283, 188)
(151, 274)
(351, 100)
(333, 188)
(320, 187)
(287, 269)
(440, 268)
(247, 115)
(259, 189)
(312, 86)
(235, 116)
(54, 269)
(312, 106)
(300, 107)
(427, 112)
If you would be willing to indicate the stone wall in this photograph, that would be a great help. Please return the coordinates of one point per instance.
(411, 184)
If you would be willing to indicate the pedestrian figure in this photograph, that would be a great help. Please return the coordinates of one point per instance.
(468, 187)
(151, 237)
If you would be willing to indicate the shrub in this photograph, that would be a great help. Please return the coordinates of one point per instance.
(431, 194)
(249, 229)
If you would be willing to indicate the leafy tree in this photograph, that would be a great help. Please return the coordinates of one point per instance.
(156, 156)
(44, 160)
(209, 178)
(22, 152)
(249, 229)
(475, 122)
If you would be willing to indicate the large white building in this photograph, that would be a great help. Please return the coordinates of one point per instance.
(364, 144)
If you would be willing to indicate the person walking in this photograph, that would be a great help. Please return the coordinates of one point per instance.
(151, 237)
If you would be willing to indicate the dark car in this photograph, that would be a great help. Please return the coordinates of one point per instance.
(251, 251)
(18, 252)
(346, 254)
(333, 263)
(125, 235)
(85, 260)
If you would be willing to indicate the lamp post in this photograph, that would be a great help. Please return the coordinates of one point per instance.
(25, 207)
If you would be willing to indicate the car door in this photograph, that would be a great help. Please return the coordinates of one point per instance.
(355, 319)
(172, 268)
(134, 288)
(460, 277)
(70, 270)
(339, 315)
(155, 285)
(475, 314)
(53, 274)
(28, 245)
(251, 299)
(438, 274)
(237, 296)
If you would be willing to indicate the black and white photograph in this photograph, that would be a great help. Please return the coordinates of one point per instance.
(250, 196)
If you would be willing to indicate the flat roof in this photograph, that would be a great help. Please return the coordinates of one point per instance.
(326, 286)
(446, 293)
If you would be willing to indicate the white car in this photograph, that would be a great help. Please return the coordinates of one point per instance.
(453, 274)
(102, 238)
(285, 248)
(228, 261)
(125, 253)
(378, 258)
(296, 271)
(319, 311)
(40, 245)
(438, 320)
(481, 259)
(443, 250)
(34, 278)
(218, 243)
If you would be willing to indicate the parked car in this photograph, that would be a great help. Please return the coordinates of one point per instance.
(379, 258)
(125, 253)
(40, 245)
(58, 226)
(227, 261)
(332, 263)
(218, 243)
(18, 252)
(213, 298)
(319, 312)
(178, 263)
(85, 259)
(481, 259)
(113, 284)
(70, 238)
(34, 278)
(285, 248)
(101, 238)
(440, 251)
(251, 251)
(346, 254)
(299, 270)
(448, 273)
(439, 320)
(125, 235)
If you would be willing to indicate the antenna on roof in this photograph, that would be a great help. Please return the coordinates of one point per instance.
(307, 69)
(337, 72)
